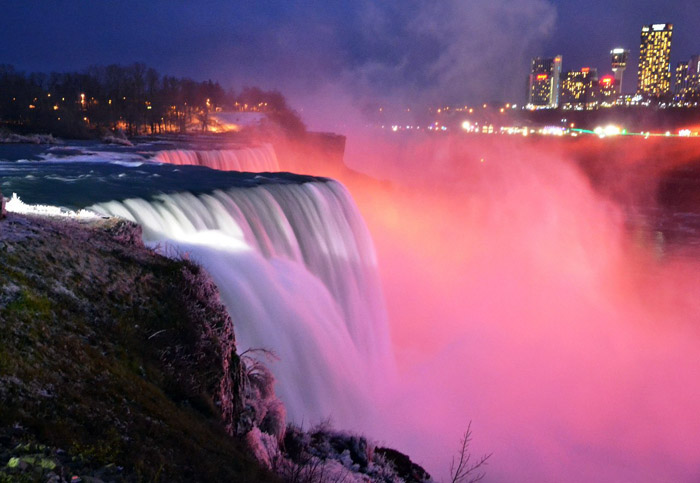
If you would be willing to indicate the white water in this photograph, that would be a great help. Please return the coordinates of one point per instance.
(252, 159)
(16, 205)
(296, 268)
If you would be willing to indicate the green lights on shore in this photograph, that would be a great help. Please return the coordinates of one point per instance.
(601, 132)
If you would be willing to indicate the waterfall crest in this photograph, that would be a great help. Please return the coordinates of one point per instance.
(296, 268)
(252, 159)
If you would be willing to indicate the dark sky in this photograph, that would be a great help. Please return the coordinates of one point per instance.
(352, 52)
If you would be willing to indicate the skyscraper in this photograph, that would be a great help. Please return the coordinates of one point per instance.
(681, 81)
(654, 75)
(619, 64)
(578, 89)
(607, 88)
(687, 80)
(544, 83)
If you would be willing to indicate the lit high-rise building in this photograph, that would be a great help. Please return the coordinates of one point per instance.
(654, 75)
(544, 83)
(619, 64)
(694, 65)
(681, 79)
(687, 80)
(578, 89)
(607, 88)
(693, 79)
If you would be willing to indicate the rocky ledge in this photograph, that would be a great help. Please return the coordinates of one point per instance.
(111, 360)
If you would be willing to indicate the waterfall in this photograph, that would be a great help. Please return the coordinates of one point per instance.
(296, 268)
(252, 159)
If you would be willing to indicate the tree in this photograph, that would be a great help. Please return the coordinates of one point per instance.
(134, 98)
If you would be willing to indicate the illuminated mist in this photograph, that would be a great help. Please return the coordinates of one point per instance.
(526, 301)
(401, 54)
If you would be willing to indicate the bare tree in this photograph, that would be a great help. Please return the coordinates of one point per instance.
(461, 469)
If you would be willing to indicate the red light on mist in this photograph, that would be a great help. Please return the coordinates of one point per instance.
(607, 80)
(586, 70)
(498, 268)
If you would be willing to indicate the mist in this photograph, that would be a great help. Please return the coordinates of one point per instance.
(522, 297)
(403, 57)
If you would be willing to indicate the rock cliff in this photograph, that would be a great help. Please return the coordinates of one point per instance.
(115, 363)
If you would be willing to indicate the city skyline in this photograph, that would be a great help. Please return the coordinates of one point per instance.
(581, 88)
(585, 36)
(653, 62)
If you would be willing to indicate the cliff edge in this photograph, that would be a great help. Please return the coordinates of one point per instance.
(111, 360)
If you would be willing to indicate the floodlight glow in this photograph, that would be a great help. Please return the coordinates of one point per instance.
(611, 130)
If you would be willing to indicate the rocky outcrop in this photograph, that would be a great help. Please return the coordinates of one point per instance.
(115, 363)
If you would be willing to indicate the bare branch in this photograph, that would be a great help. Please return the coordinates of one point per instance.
(461, 471)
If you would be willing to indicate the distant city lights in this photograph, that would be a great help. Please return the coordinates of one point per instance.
(485, 128)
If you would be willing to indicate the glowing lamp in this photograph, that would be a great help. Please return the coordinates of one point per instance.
(541, 76)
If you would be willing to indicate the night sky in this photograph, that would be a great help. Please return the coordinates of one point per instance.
(353, 52)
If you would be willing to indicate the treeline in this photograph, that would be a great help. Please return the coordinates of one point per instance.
(135, 99)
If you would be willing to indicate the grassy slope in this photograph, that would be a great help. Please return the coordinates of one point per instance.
(102, 362)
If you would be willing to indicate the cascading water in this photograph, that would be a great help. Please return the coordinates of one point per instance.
(252, 159)
(296, 268)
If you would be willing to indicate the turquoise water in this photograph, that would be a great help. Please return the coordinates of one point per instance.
(79, 174)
